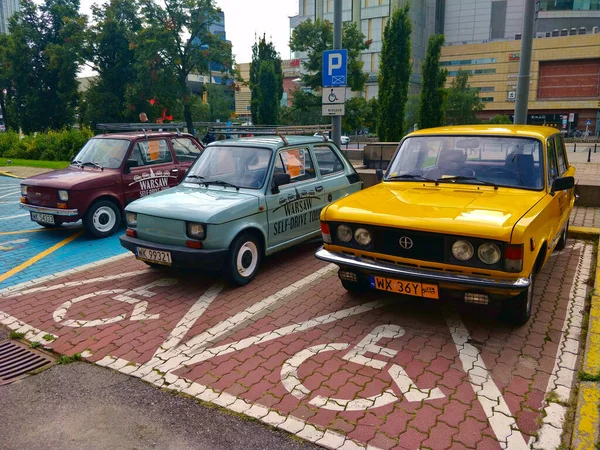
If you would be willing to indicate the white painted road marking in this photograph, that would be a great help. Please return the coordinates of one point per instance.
(497, 411)
(10, 193)
(122, 295)
(14, 217)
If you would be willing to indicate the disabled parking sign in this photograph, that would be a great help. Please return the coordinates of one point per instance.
(335, 68)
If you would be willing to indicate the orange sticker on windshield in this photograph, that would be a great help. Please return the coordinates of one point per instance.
(295, 162)
(153, 151)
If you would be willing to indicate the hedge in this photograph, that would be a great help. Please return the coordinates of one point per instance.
(60, 145)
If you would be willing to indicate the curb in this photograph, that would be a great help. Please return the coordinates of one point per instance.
(586, 430)
(8, 174)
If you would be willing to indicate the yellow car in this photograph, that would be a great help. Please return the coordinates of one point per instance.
(471, 211)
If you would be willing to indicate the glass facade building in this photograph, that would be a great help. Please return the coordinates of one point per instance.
(7, 9)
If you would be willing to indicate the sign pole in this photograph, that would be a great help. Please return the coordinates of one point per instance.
(336, 121)
(521, 105)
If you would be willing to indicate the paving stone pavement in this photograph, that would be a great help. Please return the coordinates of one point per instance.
(298, 352)
(585, 216)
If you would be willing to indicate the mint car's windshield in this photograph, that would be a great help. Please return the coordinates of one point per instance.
(501, 161)
(106, 153)
(243, 167)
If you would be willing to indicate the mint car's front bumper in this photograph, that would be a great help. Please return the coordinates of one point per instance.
(370, 267)
(181, 256)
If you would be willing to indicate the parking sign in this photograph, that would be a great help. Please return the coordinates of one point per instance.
(335, 67)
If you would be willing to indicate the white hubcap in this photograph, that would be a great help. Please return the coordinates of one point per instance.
(104, 219)
(247, 259)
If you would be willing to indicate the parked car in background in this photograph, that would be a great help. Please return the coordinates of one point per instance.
(109, 172)
(344, 139)
(243, 199)
(470, 211)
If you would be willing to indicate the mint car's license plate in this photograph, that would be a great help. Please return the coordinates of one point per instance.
(45, 218)
(155, 256)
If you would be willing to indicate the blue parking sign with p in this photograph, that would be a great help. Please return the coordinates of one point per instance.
(335, 67)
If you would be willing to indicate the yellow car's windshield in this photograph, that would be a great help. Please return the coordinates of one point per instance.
(502, 161)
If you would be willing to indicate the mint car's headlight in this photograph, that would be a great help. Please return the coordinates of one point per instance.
(131, 219)
(362, 236)
(344, 233)
(24, 190)
(63, 196)
(462, 250)
(196, 230)
(489, 253)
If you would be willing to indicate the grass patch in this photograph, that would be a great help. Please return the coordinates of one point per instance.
(34, 345)
(48, 337)
(64, 359)
(34, 163)
(584, 376)
(16, 335)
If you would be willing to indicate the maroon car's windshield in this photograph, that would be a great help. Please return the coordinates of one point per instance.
(107, 153)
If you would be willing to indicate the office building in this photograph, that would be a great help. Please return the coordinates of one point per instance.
(7, 9)
(371, 16)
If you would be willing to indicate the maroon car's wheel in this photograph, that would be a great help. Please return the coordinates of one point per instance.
(102, 219)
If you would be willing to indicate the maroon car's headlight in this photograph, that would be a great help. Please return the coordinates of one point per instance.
(63, 196)
(24, 190)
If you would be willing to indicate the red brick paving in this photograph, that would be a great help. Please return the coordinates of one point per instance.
(519, 360)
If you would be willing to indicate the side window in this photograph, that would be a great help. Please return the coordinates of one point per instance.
(185, 149)
(297, 162)
(561, 155)
(329, 162)
(149, 153)
(552, 165)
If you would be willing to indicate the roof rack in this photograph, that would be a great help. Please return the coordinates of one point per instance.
(141, 127)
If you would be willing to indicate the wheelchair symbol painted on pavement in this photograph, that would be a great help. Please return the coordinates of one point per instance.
(121, 295)
(410, 392)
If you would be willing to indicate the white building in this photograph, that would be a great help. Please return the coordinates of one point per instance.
(7, 9)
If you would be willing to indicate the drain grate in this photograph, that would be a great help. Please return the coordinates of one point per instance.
(17, 360)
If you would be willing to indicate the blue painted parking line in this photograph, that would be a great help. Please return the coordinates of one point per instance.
(20, 241)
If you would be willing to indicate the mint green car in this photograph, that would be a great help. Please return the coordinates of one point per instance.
(241, 200)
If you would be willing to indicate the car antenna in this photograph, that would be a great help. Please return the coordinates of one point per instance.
(285, 141)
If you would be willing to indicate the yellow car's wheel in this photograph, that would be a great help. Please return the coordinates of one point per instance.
(517, 310)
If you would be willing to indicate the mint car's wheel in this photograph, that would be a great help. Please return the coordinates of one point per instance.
(243, 260)
(562, 243)
(102, 219)
(517, 310)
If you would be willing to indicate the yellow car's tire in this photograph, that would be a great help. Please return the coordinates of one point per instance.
(517, 310)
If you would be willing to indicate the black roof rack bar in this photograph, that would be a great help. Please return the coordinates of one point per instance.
(140, 126)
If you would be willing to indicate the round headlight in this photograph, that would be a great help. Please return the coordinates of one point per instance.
(489, 253)
(362, 236)
(462, 250)
(131, 219)
(344, 233)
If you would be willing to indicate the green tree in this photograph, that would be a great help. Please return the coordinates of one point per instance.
(413, 105)
(501, 119)
(263, 51)
(394, 75)
(357, 111)
(44, 56)
(433, 91)
(463, 101)
(176, 42)
(221, 102)
(109, 52)
(316, 37)
(268, 102)
(5, 77)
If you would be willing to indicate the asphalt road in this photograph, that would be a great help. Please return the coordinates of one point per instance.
(81, 405)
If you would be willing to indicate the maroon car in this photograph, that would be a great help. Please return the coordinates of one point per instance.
(109, 172)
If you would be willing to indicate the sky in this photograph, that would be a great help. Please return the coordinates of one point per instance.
(245, 19)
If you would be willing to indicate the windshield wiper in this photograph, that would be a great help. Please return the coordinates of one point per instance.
(409, 176)
(75, 161)
(92, 163)
(194, 176)
(220, 183)
(463, 178)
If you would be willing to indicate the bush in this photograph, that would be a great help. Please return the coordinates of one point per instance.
(51, 146)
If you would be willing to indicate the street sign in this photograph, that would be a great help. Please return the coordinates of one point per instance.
(571, 117)
(333, 95)
(588, 122)
(335, 68)
(334, 110)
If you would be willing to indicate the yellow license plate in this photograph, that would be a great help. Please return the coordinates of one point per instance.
(405, 287)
